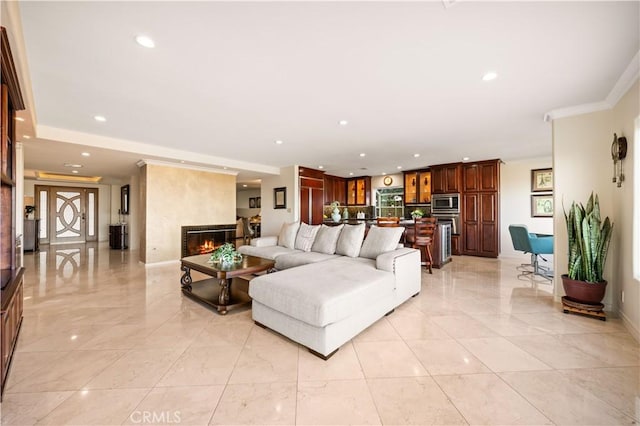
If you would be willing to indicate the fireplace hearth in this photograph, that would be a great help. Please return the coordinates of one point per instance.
(206, 238)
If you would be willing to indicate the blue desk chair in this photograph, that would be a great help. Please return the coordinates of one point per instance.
(536, 244)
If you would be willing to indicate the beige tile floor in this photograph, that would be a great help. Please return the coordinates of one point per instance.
(107, 341)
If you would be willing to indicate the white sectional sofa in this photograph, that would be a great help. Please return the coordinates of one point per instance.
(329, 285)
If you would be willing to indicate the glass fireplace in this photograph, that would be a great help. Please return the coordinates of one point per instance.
(206, 238)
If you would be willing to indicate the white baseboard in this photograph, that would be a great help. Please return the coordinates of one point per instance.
(630, 326)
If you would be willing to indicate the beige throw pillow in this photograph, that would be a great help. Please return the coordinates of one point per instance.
(380, 240)
(306, 236)
(327, 239)
(350, 240)
(287, 236)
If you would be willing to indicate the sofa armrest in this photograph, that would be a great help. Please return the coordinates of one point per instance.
(264, 242)
(386, 261)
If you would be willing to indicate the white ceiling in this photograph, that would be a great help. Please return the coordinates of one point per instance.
(227, 79)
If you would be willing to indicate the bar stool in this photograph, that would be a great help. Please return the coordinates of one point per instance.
(424, 230)
(388, 222)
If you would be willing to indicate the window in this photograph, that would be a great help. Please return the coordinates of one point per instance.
(636, 200)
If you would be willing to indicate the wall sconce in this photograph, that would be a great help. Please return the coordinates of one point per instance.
(618, 153)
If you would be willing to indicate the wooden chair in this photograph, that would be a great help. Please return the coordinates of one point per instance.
(425, 227)
(388, 222)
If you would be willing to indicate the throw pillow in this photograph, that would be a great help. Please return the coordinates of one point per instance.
(380, 240)
(287, 236)
(327, 239)
(350, 240)
(306, 236)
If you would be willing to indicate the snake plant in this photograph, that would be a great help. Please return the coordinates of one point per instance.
(589, 240)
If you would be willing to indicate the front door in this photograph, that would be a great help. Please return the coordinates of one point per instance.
(71, 214)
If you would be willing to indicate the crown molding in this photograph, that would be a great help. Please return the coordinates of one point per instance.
(626, 80)
(622, 86)
(146, 161)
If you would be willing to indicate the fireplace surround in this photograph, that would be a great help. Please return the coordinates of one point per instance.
(204, 239)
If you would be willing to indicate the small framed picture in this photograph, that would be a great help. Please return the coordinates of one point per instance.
(280, 198)
(542, 205)
(258, 203)
(541, 180)
(252, 203)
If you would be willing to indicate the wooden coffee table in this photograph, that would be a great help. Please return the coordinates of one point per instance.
(224, 291)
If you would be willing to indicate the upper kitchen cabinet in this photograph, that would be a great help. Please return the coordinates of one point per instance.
(481, 176)
(359, 191)
(417, 187)
(445, 178)
(335, 189)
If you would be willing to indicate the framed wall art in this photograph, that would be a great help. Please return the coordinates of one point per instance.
(542, 205)
(541, 180)
(252, 203)
(280, 198)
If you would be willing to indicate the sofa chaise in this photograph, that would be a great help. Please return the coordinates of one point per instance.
(329, 285)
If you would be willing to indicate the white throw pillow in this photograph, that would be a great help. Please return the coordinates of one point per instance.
(306, 236)
(380, 240)
(350, 240)
(327, 239)
(287, 236)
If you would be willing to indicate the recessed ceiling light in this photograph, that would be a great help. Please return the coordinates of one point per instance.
(225, 167)
(384, 173)
(99, 118)
(489, 76)
(279, 142)
(19, 119)
(362, 154)
(75, 166)
(26, 136)
(343, 122)
(244, 185)
(145, 41)
(416, 155)
(465, 158)
(321, 167)
(74, 171)
(182, 161)
(86, 154)
(399, 167)
(350, 173)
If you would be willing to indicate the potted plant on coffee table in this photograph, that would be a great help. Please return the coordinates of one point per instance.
(589, 240)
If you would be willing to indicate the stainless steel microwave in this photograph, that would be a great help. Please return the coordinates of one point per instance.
(445, 203)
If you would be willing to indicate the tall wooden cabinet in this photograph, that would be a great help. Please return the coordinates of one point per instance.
(311, 195)
(480, 208)
(12, 285)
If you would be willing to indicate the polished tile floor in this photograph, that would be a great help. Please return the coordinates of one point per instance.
(107, 341)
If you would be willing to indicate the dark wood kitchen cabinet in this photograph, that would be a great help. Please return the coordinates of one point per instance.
(480, 209)
(359, 191)
(311, 195)
(417, 186)
(446, 178)
(335, 189)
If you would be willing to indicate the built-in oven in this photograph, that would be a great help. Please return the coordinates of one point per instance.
(445, 204)
(452, 219)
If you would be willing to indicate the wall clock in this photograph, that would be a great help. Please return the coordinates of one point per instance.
(387, 180)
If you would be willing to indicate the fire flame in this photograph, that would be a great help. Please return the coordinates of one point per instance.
(206, 247)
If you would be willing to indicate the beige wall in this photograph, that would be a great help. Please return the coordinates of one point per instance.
(515, 203)
(624, 115)
(176, 197)
(242, 202)
(273, 219)
(582, 163)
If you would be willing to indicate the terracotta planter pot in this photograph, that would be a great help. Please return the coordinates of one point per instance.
(584, 292)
